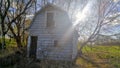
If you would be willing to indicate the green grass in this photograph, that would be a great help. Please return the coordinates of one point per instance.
(11, 47)
(99, 57)
(104, 56)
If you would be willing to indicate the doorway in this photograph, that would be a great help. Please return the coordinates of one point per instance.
(33, 46)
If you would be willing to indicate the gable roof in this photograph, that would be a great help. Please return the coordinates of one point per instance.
(52, 6)
(44, 8)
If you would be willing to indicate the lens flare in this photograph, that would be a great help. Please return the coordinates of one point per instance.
(81, 15)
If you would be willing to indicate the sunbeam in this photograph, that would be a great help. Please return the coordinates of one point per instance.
(81, 15)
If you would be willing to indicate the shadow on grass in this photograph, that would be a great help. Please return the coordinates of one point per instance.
(89, 60)
(19, 60)
(51, 64)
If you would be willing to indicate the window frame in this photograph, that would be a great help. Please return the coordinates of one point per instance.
(53, 18)
(55, 43)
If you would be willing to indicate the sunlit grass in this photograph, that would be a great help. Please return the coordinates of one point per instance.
(10, 48)
(83, 63)
(104, 56)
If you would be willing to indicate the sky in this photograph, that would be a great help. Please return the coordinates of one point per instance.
(85, 16)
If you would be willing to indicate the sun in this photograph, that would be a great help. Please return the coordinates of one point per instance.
(81, 15)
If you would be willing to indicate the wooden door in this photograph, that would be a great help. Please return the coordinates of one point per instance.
(33, 46)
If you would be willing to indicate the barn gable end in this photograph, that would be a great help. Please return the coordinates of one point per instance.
(50, 25)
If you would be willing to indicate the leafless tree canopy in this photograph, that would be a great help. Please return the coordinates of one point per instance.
(102, 13)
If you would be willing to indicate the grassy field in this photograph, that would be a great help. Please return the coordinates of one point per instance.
(93, 57)
(11, 47)
(100, 56)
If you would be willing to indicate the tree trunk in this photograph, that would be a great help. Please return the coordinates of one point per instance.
(18, 41)
(81, 47)
(3, 35)
(3, 41)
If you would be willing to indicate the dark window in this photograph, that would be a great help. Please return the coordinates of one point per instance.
(33, 46)
(55, 42)
(50, 20)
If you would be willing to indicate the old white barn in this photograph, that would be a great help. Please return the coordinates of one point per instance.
(51, 35)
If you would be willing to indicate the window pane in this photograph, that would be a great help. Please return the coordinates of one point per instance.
(55, 42)
(50, 20)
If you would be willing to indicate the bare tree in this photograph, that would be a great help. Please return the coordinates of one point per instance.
(105, 8)
(17, 18)
(4, 8)
(13, 13)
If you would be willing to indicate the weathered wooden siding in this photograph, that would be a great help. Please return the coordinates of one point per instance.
(66, 49)
(75, 44)
(51, 51)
